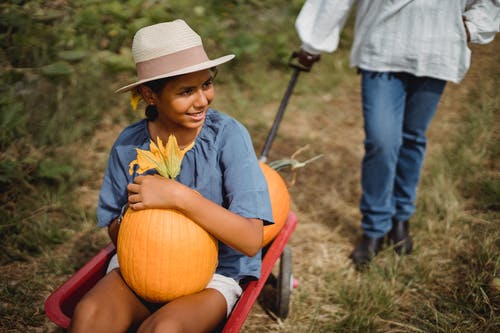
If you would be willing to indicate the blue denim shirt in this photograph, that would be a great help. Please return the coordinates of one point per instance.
(221, 166)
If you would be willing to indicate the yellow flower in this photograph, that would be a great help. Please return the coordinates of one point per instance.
(166, 160)
(174, 156)
(135, 98)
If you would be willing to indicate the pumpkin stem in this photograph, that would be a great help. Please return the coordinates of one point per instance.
(293, 163)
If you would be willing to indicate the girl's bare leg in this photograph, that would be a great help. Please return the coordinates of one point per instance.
(200, 312)
(110, 306)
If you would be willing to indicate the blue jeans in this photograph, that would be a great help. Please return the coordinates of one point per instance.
(397, 110)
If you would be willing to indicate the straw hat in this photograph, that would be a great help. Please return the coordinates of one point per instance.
(168, 49)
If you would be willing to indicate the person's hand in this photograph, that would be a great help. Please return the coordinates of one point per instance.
(304, 60)
(466, 29)
(152, 191)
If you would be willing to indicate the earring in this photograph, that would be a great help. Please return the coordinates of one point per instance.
(151, 112)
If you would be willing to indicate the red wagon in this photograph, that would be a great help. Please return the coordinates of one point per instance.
(59, 306)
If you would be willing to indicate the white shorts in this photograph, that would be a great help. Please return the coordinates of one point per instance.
(227, 286)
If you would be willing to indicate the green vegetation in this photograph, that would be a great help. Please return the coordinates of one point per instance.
(62, 60)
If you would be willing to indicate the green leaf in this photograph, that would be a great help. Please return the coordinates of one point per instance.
(72, 55)
(116, 62)
(57, 69)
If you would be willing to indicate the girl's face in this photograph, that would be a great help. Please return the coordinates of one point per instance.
(184, 101)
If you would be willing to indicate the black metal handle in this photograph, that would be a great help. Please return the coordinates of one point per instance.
(279, 115)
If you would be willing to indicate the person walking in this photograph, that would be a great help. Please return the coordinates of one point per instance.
(406, 51)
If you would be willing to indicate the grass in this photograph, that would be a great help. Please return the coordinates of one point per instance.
(466, 180)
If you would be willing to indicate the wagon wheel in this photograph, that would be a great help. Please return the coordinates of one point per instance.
(284, 283)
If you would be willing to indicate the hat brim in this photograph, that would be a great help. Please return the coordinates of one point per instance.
(186, 70)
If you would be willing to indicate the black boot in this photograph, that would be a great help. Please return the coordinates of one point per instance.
(366, 249)
(400, 237)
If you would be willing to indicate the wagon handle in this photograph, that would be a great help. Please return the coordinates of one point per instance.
(281, 111)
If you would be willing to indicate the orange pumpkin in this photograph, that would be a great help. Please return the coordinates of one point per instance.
(164, 255)
(280, 202)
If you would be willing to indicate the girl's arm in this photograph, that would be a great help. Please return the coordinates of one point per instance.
(242, 234)
(113, 231)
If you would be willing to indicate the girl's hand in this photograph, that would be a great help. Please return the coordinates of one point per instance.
(152, 191)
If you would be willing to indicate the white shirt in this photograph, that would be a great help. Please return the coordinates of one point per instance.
(421, 37)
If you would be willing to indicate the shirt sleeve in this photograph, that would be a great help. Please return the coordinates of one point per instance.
(320, 22)
(245, 187)
(482, 19)
(113, 194)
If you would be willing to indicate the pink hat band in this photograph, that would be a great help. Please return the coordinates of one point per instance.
(171, 62)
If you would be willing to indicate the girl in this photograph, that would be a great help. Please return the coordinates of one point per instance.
(175, 79)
